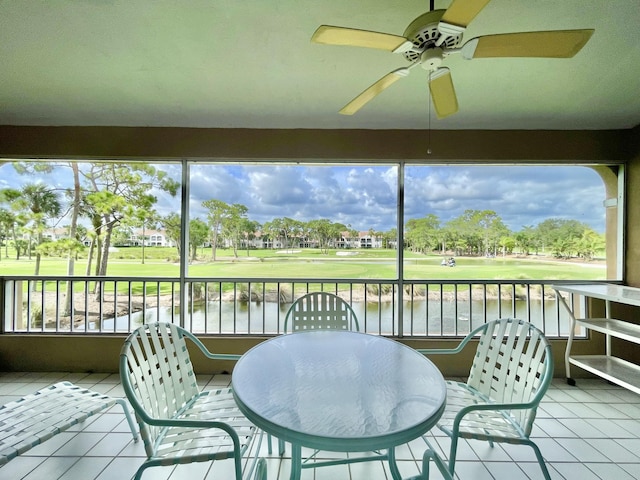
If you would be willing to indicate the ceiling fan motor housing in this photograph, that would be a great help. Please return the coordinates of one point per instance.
(431, 59)
(423, 33)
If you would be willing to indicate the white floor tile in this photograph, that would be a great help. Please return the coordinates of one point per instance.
(611, 449)
(52, 467)
(581, 427)
(20, 467)
(581, 450)
(573, 471)
(122, 468)
(505, 470)
(609, 470)
(591, 431)
(87, 467)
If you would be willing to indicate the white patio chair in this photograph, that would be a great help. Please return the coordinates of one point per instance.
(511, 371)
(320, 310)
(317, 311)
(178, 422)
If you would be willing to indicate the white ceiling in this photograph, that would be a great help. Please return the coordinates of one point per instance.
(250, 64)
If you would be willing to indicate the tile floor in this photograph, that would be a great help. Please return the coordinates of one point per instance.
(591, 431)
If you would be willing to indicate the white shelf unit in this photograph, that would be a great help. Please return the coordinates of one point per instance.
(607, 366)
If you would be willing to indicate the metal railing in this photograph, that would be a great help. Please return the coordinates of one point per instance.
(258, 306)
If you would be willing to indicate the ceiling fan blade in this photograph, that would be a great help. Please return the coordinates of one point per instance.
(442, 93)
(461, 12)
(365, 97)
(330, 35)
(554, 44)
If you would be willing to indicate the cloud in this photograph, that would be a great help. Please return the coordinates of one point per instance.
(520, 195)
(364, 196)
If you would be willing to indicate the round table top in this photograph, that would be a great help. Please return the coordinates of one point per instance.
(339, 390)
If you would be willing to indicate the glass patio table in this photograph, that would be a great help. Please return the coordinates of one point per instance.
(339, 391)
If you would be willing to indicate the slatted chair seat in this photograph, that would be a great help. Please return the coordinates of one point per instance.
(511, 372)
(480, 424)
(179, 423)
(37, 417)
(206, 443)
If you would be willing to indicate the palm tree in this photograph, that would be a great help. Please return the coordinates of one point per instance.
(41, 203)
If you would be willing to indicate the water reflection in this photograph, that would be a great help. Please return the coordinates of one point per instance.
(421, 317)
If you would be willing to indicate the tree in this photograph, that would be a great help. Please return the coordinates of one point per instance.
(324, 231)
(144, 217)
(284, 228)
(76, 195)
(590, 243)
(493, 230)
(389, 237)
(198, 234)
(250, 227)
(526, 239)
(272, 230)
(351, 235)
(42, 203)
(477, 232)
(8, 220)
(119, 190)
(507, 243)
(106, 207)
(234, 225)
(422, 234)
(64, 247)
(173, 228)
(561, 235)
(217, 212)
(462, 234)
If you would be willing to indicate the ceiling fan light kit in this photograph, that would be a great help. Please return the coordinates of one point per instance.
(434, 35)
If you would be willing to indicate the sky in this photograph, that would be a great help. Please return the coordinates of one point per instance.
(364, 197)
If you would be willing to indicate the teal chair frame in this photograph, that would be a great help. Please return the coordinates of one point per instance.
(511, 372)
(178, 422)
(320, 310)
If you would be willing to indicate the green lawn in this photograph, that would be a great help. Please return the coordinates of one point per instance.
(367, 264)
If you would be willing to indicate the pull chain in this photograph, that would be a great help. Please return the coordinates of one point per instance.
(429, 119)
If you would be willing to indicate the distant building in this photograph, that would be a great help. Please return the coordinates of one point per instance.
(367, 240)
(150, 238)
(53, 234)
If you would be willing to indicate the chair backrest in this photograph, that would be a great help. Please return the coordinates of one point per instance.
(320, 310)
(157, 374)
(513, 364)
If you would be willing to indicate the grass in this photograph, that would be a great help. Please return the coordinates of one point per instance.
(367, 264)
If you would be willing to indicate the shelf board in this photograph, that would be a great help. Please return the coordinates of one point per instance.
(604, 291)
(614, 369)
(616, 328)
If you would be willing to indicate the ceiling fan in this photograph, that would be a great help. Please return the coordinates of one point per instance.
(435, 35)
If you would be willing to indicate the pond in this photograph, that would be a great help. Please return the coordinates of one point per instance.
(421, 317)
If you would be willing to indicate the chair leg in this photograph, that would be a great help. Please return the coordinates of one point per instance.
(428, 455)
(543, 465)
(237, 460)
(452, 454)
(270, 446)
(127, 414)
(261, 470)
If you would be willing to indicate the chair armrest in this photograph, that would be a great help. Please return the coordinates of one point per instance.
(458, 349)
(446, 351)
(495, 406)
(205, 350)
(439, 351)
